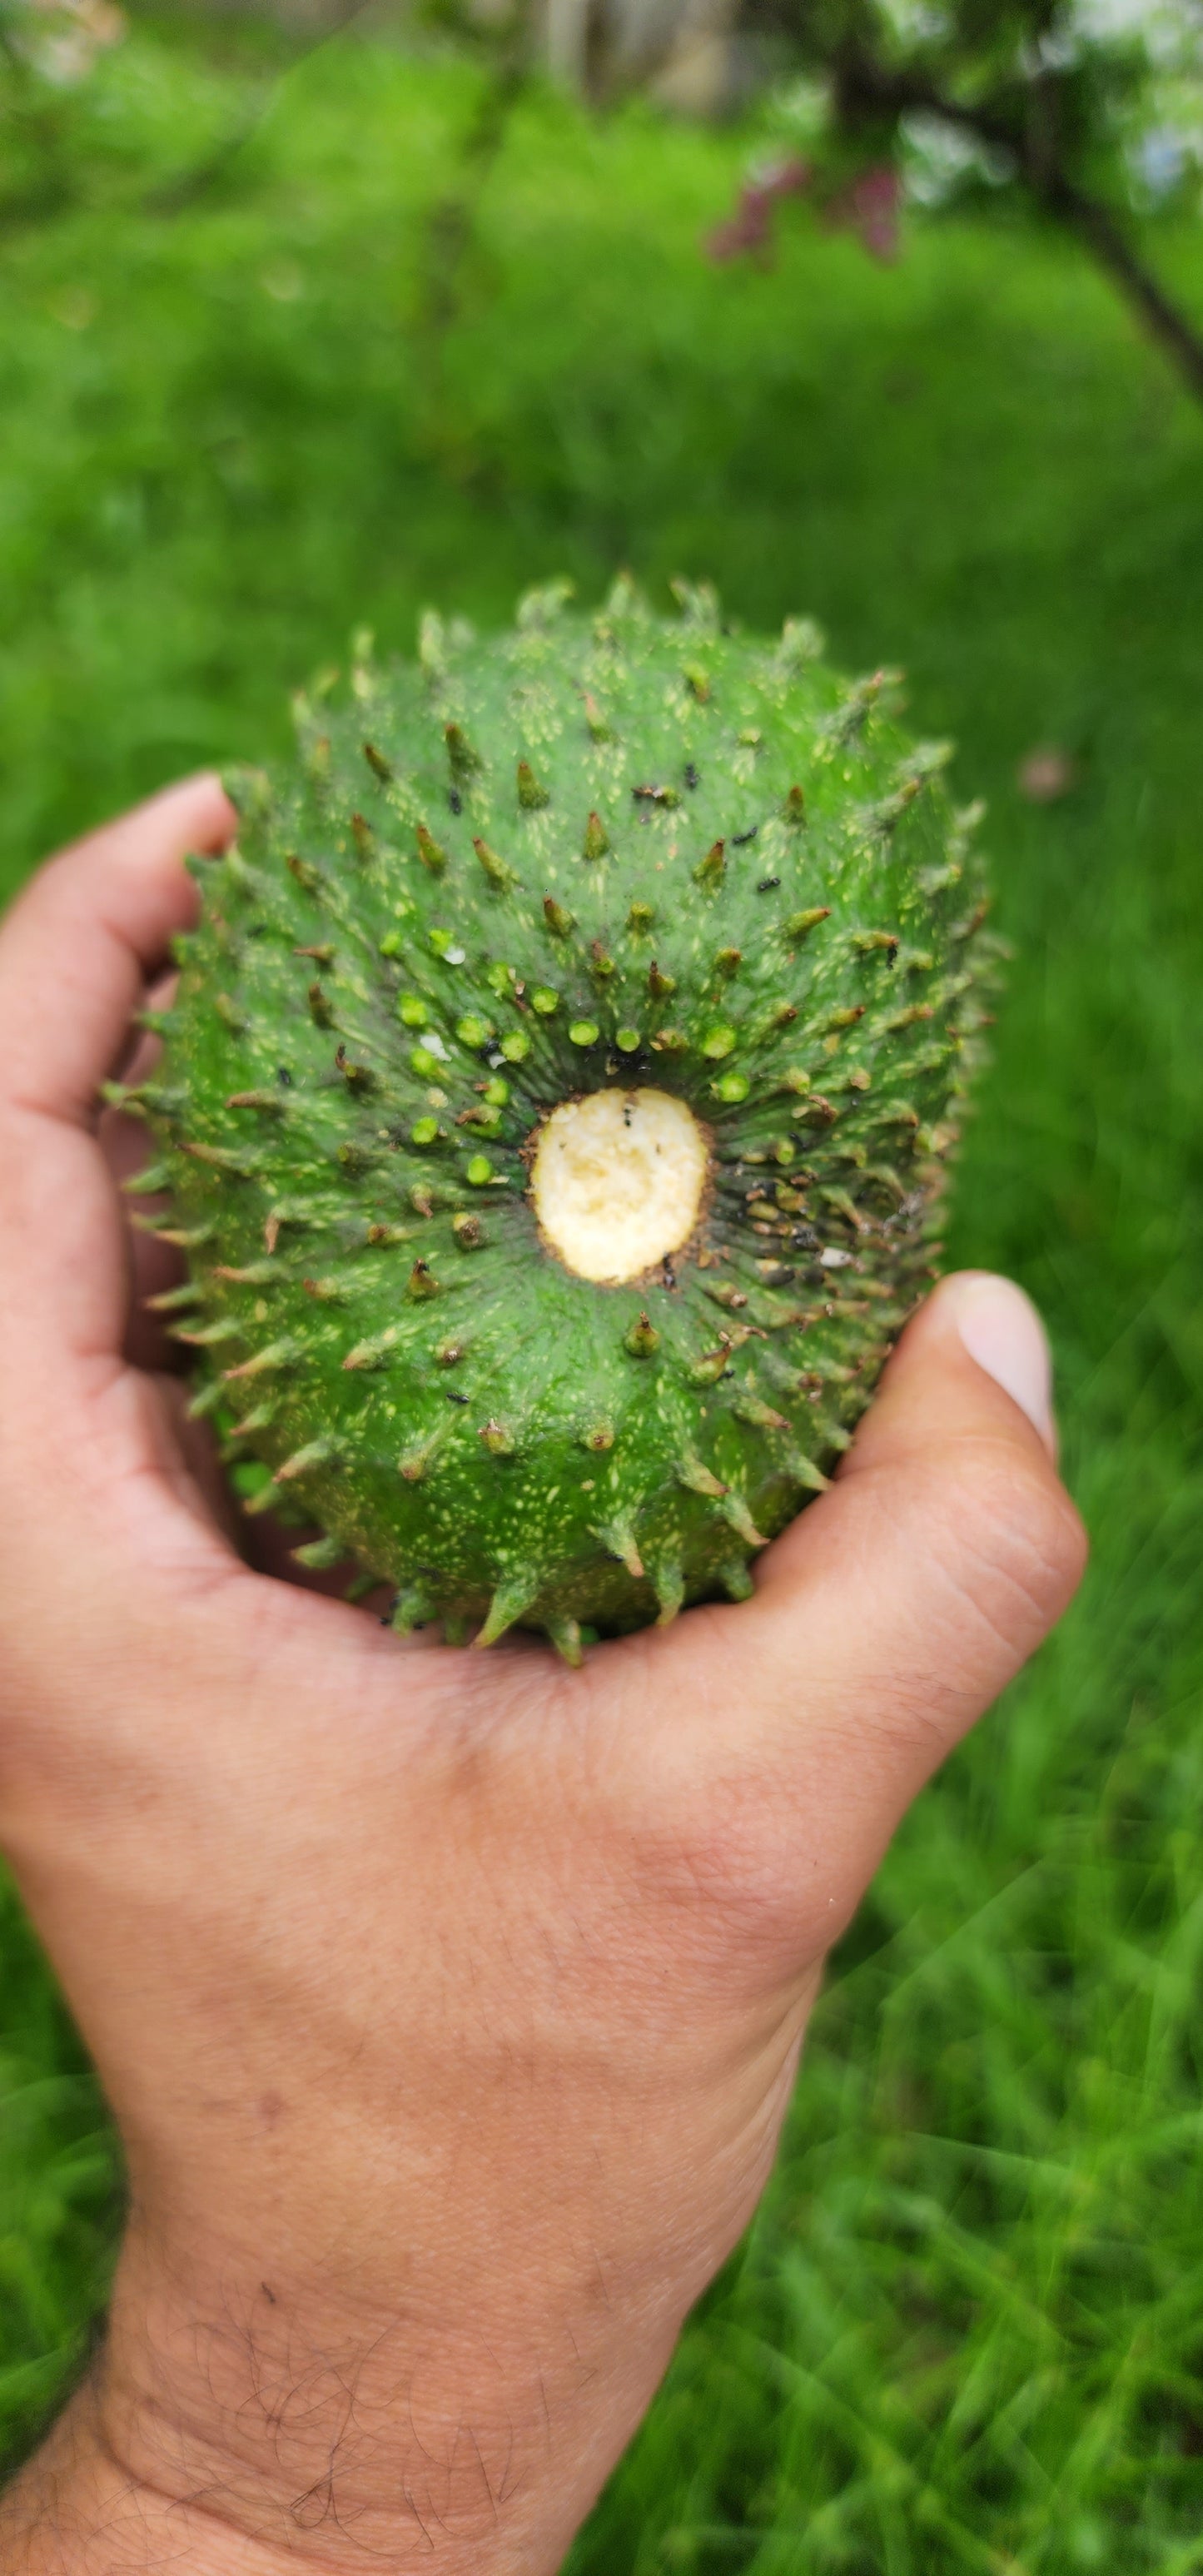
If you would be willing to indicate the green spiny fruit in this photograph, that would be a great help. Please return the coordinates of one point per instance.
(555, 1102)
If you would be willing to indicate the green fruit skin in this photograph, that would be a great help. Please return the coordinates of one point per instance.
(607, 851)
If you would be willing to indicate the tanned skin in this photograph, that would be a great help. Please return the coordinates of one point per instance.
(448, 2003)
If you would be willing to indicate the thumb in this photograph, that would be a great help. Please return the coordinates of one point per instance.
(893, 1611)
(947, 1547)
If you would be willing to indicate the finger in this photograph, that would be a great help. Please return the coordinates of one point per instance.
(947, 1548)
(991, 1320)
(888, 1617)
(74, 955)
(80, 941)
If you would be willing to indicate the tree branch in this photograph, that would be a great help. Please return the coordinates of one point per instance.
(864, 89)
(1097, 227)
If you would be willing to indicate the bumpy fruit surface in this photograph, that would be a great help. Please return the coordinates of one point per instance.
(529, 1355)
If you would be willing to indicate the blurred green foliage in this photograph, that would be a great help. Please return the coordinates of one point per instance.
(1102, 93)
(965, 2333)
(59, 2188)
(1086, 110)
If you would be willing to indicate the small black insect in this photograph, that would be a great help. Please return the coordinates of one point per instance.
(740, 840)
(692, 775)
(767, 884)
(668, 1274)
(284, 1077)
(256, 930)
(453, 1396)
(455, 800)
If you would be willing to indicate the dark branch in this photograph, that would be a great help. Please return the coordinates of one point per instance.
(866, 90)
(1097, 227)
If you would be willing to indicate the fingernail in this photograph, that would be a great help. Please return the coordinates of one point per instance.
(1002, 1331)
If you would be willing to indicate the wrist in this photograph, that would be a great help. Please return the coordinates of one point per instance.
(81, 2508)
(77, 2510)
(265, 2423)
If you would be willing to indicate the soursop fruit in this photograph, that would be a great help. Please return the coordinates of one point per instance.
(555, 1104)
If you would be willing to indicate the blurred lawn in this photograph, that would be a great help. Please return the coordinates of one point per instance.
(967, 2334)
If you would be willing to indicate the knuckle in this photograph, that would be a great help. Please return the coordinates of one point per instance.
(734, 1864)
(1014, 1546)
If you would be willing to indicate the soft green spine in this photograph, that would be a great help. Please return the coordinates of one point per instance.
(618, 850)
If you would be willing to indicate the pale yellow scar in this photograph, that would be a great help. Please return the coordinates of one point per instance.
(617, 1181)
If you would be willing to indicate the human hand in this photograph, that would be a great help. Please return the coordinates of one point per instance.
(448, 2003)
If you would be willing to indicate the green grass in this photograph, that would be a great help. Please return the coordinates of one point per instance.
(967, 2333)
